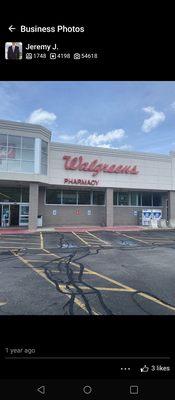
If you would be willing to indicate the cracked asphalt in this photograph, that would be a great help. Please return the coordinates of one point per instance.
(91, 273)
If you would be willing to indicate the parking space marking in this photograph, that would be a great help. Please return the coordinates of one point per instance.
(16, 241)
(129, 289)
(90, 239)
(18, 247)
(99, 275)
(99, 288)
(3, 304)
(156, 301)
(149, 240)
(82, 240)
(43, 275)
(96, 237)
(40, 271)
(41, 241)
(131, 237)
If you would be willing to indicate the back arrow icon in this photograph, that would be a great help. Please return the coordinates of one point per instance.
(41, 389)
(11, 28)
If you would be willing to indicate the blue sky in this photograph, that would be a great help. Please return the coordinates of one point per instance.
(138, 116)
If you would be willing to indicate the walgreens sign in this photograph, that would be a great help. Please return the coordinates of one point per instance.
(79, 164)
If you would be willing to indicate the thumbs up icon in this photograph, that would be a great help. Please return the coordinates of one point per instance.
(144, 369)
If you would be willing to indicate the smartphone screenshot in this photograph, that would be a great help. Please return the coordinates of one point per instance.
(87, 212)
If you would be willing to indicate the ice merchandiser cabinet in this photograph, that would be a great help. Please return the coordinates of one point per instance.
(145, 216)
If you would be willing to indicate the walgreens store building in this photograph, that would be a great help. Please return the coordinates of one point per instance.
(77, 185)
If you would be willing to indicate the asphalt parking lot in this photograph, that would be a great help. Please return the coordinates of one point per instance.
(88, 273)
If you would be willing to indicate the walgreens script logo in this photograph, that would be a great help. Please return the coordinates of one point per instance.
(77, 163)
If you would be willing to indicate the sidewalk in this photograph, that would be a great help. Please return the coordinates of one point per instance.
(20, 230)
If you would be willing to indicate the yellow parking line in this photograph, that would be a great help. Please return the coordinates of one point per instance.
(41, 240)
(96, 237)
(100, 275)
(43, 275)
(18, 247)
(161, 240)
(156, 301)
(16, 241)
(96, 288)
(155, 240)
(2, 304)
(82, 240)
(129, 289)
(41, 254)
(131, 237)
(56, 271)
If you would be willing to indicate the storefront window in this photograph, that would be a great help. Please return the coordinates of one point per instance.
(27, 166)
(53, 196)
(123, 199)
(25, 195)
(146, 199)
(13, 153)
(3, 165)
(14, 141)
(157, 199)
(44, 169)
(13, 165)
(16, 153)
(10, 195)
(27, 155)
(84, 197)
(69, 197)
(134, 198)
(44, 157)
(24, 215)
(98, 197)
(28, 143)
(44, 146)
(3, 140)
(139, 199)
(115, 200)
(3, 148)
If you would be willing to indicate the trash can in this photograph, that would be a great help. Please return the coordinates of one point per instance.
(40, 220)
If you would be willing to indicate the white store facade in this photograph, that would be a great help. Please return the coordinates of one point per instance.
(78, 185)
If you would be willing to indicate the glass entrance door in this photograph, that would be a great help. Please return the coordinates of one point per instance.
(5, 215)
(24, 215)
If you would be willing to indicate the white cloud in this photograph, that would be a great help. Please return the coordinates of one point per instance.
(155, 119)
(81, 133)
(96, 139)
(173, 105)
(105, 140)
(41, 116)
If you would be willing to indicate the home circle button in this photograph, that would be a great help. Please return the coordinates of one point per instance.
(87, 389)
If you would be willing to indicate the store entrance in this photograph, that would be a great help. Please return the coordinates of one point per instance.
(9, 215)
(14, 215)
(5, 215)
